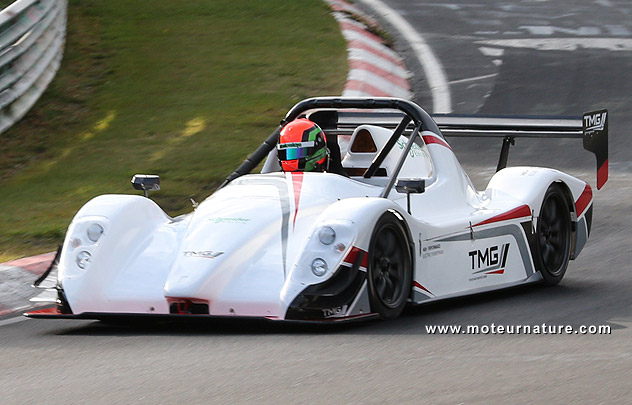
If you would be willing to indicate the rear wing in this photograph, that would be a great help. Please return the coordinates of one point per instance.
(592, 128)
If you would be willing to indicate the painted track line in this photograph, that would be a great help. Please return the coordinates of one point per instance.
(474, 79)
(437, 80)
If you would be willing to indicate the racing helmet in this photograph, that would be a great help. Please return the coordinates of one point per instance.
(302, 147)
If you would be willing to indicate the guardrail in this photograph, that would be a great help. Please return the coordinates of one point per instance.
(32, 37)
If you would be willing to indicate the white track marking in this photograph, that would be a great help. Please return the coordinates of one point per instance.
(474, 79)
(439, 87)
(563, 44)
(496, 52)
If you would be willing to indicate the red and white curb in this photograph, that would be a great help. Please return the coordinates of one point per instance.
(16, 280)
(375, 70)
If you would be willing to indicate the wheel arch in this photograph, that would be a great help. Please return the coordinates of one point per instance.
(578, 237)
(570, 200)
(386, 265)
(411, 246)
(541, 262)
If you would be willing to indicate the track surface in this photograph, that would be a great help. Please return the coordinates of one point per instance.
(77, 362)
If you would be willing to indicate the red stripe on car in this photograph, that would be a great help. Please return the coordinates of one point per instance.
(297, 183)
(353, 255)
(501, 271)
(428, 139)
(421, 287)
(583, 201)
(519, 212)
(602, 175)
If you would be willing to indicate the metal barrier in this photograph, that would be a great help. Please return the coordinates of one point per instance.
(32, 37)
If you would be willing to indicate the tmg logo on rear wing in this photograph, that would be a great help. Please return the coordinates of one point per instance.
(595, 121)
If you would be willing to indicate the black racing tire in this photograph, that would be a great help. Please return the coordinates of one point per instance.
(389, 267)
(553, 244)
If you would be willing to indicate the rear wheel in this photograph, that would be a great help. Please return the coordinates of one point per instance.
(389, 267)
(554, 235)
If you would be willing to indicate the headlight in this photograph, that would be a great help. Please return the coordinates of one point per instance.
(327, 235)
(94, 232)
(83, 259)
(323, 251)
(319, 267)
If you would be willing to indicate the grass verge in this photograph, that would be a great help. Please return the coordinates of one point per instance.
(182, 89)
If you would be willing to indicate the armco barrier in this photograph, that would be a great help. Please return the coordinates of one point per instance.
(32, 36)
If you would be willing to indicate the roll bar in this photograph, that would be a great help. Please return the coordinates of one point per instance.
(418, 115)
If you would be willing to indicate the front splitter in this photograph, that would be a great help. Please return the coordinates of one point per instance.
(54, 313)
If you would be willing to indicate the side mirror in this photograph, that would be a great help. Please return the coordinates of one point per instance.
(146, 182)
(410, 186)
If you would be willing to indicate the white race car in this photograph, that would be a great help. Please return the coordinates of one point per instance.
(395, 220)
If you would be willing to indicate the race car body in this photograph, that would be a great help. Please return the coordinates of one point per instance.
(399, 221)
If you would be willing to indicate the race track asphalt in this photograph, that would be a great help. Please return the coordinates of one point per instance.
(399, 361)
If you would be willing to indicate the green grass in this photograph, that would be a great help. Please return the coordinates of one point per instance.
(185, 90)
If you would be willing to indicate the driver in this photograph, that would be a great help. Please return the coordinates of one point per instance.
(302, 147)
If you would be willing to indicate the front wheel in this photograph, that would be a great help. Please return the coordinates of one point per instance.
(554, 235)
(389, 267)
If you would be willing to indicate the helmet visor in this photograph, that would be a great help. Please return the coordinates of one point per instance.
(294, 150)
